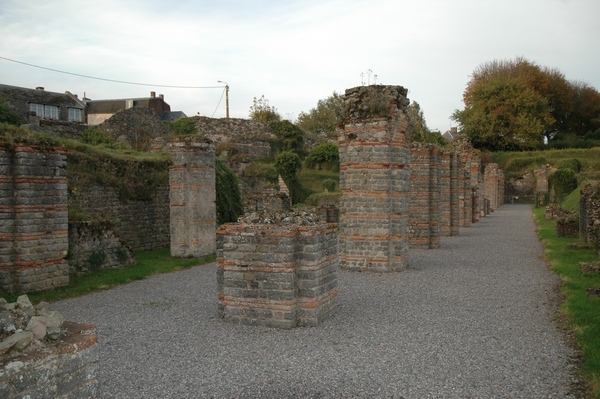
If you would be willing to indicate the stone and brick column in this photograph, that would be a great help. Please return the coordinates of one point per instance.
(492, 185)
(425, 185)
(449, 192)
(476, 186)
(33, 218)
(277, 275)
(192, 198)
(374, 144)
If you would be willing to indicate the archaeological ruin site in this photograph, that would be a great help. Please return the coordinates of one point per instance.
(275, 267)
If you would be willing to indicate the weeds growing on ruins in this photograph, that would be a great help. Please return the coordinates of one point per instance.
(581, 309)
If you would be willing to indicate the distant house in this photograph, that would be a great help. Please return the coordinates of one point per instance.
(450, 134)
(42, 104)
(100, 110)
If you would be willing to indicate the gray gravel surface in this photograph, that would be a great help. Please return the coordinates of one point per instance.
(472, 319)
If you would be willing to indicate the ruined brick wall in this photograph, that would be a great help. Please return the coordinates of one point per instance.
(589, 214)
(33, 216)
(449, 204)
(192, 197)
(374, 179)
(245, 140)
(141, 225)
(277, 275)
(260, 195)
(425, 185)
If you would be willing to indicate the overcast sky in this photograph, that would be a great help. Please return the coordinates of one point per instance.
(294, 52)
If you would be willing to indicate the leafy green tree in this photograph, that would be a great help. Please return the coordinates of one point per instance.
(505, 114)
(288, 164)
(289, 137)
(261, 111)
(325, 155)
(323, 119)
(421, 132)
(228, 197)
(573, 107)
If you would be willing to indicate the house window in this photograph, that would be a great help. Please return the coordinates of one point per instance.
(75, 115)
(50, 112)
(44, 111)
(37, 108)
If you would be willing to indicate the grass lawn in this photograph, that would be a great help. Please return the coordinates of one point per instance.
(581, 311)
(149, 263)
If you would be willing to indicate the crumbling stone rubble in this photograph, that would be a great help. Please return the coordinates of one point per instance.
(25, 327)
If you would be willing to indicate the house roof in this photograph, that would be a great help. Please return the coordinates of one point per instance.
(173, 116)
(40, 96)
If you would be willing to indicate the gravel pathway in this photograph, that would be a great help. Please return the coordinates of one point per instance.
(472, 319)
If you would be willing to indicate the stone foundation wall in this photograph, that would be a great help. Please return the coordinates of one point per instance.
(33, 218)
(95, 246)
(192, 198)
(65, 371)
(374, 179)
(279, 276)
(425, 186)
(141, 225)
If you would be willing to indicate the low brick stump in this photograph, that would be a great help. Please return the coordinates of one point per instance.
(277, 275)
(64, 370)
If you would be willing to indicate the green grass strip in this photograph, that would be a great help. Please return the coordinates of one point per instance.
(149, 263)
(581, 311)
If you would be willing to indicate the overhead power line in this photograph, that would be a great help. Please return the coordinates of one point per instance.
(110, 80)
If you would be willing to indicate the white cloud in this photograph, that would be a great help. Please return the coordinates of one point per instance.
(294, 52)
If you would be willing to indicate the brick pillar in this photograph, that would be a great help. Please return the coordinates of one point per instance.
(476, 186)
(375, 179)
(467, 189)
(192, 198)
(491, 184)
(279, 276)
(501, 188)
(425, 185)
(34, 218)
(449, 193)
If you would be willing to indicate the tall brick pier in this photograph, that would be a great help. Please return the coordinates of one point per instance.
(374, 145)
(192, 198)
(33, 218)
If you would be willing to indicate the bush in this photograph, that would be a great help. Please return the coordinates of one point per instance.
(287, 164)
(183, 127)
(263, 171)
(573, 163)
(329, 185)
(228, 197)
(518, 164)
(563, 181)
(289, 138)
(325, 155)
(94, 136)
